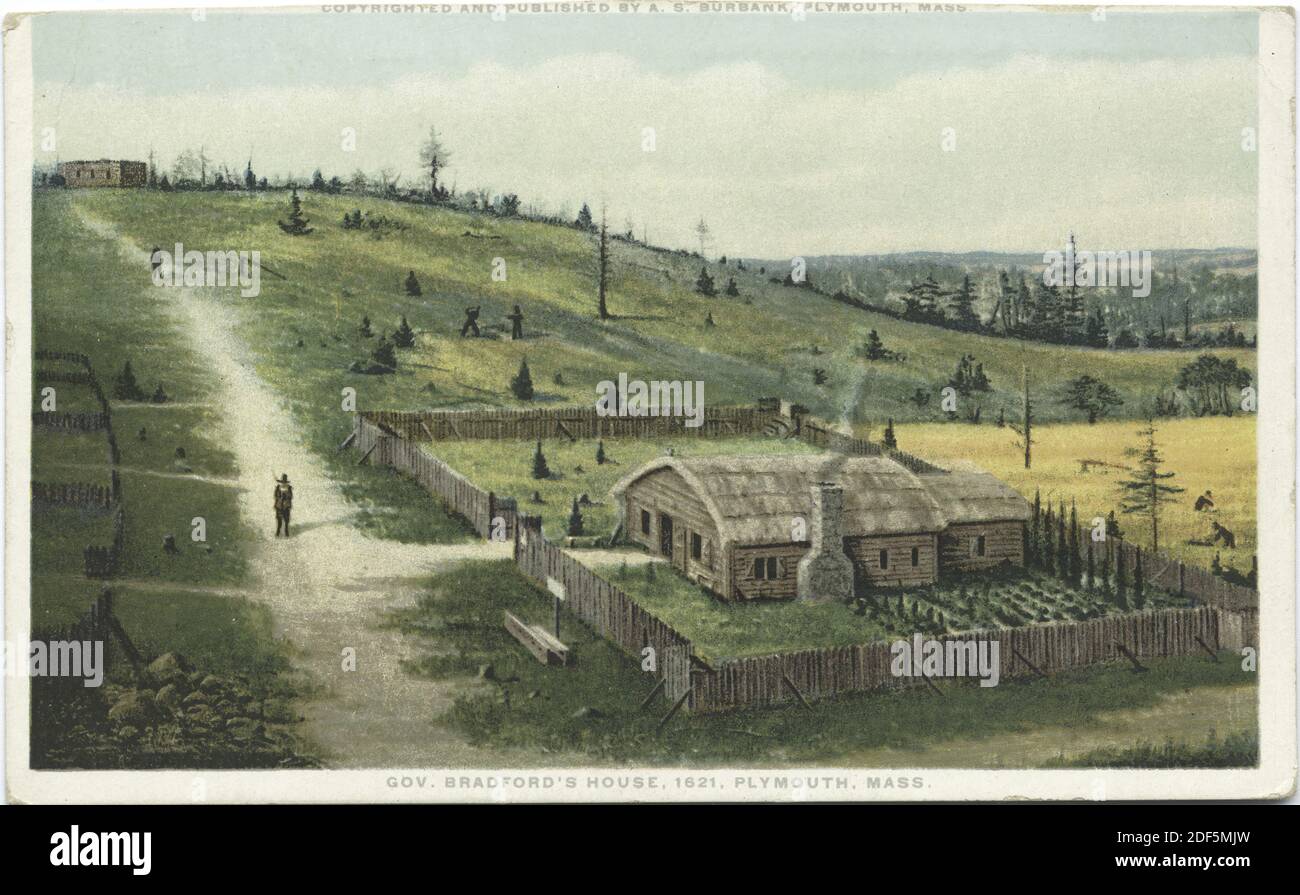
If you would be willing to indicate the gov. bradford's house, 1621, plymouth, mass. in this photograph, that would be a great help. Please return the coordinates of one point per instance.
(819, 527)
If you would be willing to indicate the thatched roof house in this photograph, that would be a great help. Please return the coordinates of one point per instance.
(740, 525)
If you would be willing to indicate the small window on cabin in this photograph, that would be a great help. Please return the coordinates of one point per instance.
(884, 559)
(697, 546)
(773, 568)
(916, 557)
(760, 569)
(979, 546)
(645, 522)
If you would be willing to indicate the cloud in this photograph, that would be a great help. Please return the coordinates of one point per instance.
(1134, 155)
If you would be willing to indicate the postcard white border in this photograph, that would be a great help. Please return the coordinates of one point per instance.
(1275, 777)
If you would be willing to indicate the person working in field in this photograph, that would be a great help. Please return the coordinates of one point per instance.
(283, 504)
(516, 324)
(1204, 502)
(1224, 535)
(471, 320)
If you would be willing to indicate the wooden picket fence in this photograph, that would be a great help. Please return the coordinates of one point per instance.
(97, 623)
(70, 422)
(820, 434)
(563, 422)
(606, 609)
(382, 446)
(98, 560)
(1159, 568)
(1049, 649)
(86, 495)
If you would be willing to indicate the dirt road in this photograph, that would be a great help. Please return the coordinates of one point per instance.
(329, 585)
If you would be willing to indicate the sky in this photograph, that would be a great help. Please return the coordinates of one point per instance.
(847, 134)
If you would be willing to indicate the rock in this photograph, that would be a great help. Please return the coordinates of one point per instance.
(533, 694)
(167, 665)
(196, 698)
(243, 728)
(211, 684)
(587, 712)
(487, 672)
(132, 709)
(196, 678)
(168, 699)
(202, 715)
(127, 732)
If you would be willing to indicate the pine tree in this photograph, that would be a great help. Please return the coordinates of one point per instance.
(1032, 555)
(1139, 600)
(575, 520)
(522, 384)
(584, 221)
(1121, 579)
(365, 327)
(731, 287)
(540, 469)
(297, 225)
(125, 387)
(962, 304)
(384, 353)
(412, 285)
(1076, 560)
(874, 349)
(891, 442)
(1105, 572)
(1146, 491)
(404, 336)
(1091, 581)
(1095, 333)
(704, 283)
(1045, 544)
(1026, 428)
(1062, 545)
(602, 270)
(600, 453)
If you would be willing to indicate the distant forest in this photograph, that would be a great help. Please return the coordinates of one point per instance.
(1197, 300)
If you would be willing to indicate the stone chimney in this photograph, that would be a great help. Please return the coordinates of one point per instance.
(826, 573)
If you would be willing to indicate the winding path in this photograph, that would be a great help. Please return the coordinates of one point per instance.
(328, 586)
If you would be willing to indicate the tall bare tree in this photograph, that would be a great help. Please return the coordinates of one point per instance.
(703, 234)
(434, 156)
(1025, 429)
(602, 267)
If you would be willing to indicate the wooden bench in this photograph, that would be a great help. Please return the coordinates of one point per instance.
(537, 640)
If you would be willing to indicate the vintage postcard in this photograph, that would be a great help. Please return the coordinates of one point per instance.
(650, 402)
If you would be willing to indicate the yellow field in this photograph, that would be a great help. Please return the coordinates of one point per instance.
(1214, 453)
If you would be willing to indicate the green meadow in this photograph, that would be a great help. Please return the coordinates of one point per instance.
(304, 326)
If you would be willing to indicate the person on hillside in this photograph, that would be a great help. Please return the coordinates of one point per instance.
(283, 504)
(1204, 502)
(516, 324)
(471, 320)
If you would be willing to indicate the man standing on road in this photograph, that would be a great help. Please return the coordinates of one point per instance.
(283, 504)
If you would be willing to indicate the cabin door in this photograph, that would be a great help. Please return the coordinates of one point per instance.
(666, 535)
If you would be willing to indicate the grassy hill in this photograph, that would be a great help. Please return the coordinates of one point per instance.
(768, 341)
